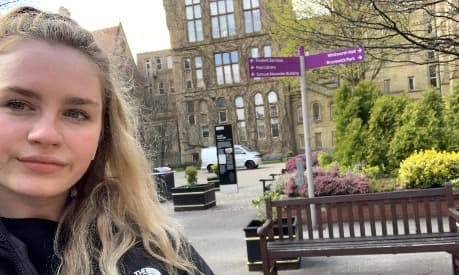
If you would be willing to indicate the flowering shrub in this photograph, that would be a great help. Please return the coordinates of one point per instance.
(290, 165)
(429, 168)
(329, 182)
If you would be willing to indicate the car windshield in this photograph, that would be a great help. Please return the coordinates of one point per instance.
(245, 148)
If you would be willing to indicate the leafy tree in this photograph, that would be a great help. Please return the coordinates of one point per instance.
(422, 128)
(385, 118)
(352, 115)
(408, 26)
(452, 120)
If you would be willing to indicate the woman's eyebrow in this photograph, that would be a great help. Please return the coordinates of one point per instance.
(23, 92)
(73, 100)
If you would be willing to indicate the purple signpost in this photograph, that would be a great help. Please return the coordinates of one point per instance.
(290, 66)
(297, 66)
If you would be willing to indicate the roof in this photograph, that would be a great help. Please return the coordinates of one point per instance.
(106, 38)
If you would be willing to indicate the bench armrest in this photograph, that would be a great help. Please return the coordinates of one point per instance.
(263, 229)
(454, 213)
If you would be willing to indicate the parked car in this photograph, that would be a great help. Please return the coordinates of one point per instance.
(244, 156)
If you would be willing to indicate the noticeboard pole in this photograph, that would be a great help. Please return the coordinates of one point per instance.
(307, 144)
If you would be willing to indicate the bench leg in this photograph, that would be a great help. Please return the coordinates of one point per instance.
(455, 260)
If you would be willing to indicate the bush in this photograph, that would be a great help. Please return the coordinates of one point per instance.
(290, 165)
(429, 168)
(328, 182)
(191, 175)
(324, 159)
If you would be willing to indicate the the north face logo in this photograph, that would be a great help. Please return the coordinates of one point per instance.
(147, 271)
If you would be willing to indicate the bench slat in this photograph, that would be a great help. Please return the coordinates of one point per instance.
(382, 209)
(329, 220)
(339, 211)
(351, 220)
(416, 216)
(393, 215)
(361, 219)
(319, 221)
(406, 225)
(427, 214)
(299, 224)
(372, 219)
(439, 215)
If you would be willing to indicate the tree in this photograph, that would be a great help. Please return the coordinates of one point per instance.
(352, 114)
(422, 127)
(452, 120)
(407, 27)
(385, 118)
(293, 25)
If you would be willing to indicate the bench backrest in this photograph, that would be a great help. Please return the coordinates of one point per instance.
(374, 214)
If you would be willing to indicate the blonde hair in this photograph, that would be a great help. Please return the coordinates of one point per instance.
(116, 207)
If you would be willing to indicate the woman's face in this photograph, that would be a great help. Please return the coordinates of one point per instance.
(50, 123)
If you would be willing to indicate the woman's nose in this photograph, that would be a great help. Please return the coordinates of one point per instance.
(45, 131)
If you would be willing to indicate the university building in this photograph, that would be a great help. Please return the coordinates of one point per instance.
(202, 81)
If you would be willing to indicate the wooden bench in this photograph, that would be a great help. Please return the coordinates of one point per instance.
(362, 224)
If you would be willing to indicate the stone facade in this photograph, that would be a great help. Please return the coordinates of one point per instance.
(265, 113)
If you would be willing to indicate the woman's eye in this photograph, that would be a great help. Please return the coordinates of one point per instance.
(76, 114)
(16, 105)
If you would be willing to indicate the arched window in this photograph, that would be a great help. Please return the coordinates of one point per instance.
(260, 115)
(316, 111)
(241, 126)
(222, 113)
(273, 113)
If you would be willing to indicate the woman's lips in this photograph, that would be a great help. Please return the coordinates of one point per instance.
(42, 164)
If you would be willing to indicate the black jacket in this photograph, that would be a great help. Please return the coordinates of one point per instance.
(15, 261)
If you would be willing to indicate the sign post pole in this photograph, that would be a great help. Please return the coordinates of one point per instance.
(307, 144)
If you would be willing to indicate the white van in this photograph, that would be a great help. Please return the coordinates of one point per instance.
(243, 155)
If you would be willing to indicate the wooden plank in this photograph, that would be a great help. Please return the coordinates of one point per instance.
(289, 223)
(382, 209)
(406, 224)
(339, 211)
(427, 215)
(439, 215)
(329, 220)
(372, 219)
(416, 216)
(319, 221)
(361, 219)
(279, 223)
(351, 219)
(393, 214)
(309, 222)
(299, 223)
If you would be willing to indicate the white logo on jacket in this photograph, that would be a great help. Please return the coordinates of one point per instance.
(147, 271)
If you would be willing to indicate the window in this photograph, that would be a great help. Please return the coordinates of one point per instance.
(433, 76)
(169, 62)
(148, 71)
(430, 55)
(191, 120)
(204, 110)
(386, 86)
(241, 126)
(205, 131)
(273, 106)
(195, 157)
(227, 68)
(318, 140)
(252, 16)
(300, 141)
(299, 112)
(222, 113)
(411, 83)
(267, 51)
(316, 111)
(254, 52)
(260, 115)
(160, 87)
(159, 64)
(193, 19)
(198, 67)
(171, 86)
(275, 127)
(222, 18)
(187, 73)
(190, 106)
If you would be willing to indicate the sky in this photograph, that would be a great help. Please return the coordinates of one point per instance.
(144, 21)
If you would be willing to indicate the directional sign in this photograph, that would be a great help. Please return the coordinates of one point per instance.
(274, 67)
(290, 66)
(334, 58)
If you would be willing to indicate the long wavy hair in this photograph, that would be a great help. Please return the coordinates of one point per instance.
(116, 206)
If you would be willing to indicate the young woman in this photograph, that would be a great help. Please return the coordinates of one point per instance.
(75, 193)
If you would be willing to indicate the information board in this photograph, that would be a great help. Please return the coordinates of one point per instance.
(226, 159)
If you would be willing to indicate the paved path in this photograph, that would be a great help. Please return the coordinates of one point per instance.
(218, 235)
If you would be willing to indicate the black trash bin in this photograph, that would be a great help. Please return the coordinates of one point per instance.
(164, 178)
